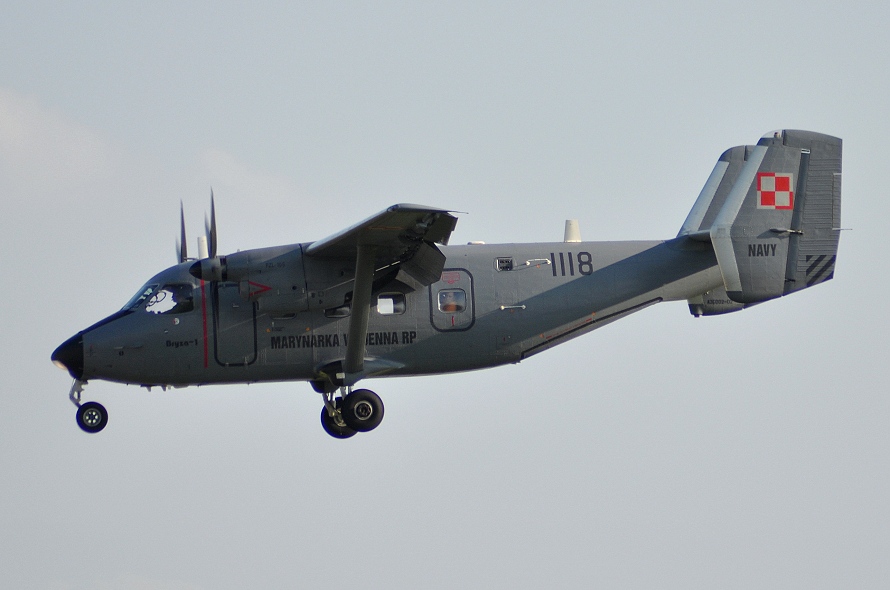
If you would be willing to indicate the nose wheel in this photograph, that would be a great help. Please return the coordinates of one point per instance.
(357, 411)
(92, 417)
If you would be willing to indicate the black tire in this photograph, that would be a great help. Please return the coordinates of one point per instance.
(332, 428)
(362, 410)
(92, 417)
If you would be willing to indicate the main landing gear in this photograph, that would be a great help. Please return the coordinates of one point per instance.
(360, 410)
(91, 416)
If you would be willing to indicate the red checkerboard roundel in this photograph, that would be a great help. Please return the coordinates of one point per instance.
(774, 190)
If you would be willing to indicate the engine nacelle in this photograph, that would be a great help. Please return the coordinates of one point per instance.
(273, 277)
(282, 281)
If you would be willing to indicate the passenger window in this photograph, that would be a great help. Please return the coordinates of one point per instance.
(391, 304)
(171, 299)
(452, 300)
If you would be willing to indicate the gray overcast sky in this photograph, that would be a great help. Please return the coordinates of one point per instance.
(743, 451)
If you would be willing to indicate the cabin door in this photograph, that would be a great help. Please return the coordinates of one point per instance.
(234, 327)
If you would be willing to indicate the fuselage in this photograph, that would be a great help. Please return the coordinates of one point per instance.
(493, 304)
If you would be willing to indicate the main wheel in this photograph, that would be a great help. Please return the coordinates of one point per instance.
(92, 417)
(331, 427)
(362, 410)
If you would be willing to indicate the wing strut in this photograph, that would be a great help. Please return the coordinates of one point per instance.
(360, 313)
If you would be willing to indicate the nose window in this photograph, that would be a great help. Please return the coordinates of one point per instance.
(452, 300)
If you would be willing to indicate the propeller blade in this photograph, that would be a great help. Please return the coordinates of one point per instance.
(183, 243)
(211, 227)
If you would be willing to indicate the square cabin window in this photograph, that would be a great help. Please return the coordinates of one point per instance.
(391, 303)
(452, 300)
(503, 264)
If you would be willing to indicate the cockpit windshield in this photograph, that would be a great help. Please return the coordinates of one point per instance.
(137, 299)
(171, 298)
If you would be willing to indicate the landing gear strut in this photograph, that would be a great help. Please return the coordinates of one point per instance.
(91, 416)
(354, 411)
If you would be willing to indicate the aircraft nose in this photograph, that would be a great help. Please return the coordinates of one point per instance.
(69, 355)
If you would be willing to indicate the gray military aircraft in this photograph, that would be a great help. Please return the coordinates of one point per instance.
(389, 297)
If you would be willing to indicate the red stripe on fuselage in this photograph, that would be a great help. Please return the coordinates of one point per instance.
(204, 319)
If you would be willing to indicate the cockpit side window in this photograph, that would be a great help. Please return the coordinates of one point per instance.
(171, 299)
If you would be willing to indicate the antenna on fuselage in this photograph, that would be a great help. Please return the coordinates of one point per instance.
(572, 232)
(202, 248)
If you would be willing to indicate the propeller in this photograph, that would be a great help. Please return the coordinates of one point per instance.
(182, 247)
(207, 242)
(210, 227)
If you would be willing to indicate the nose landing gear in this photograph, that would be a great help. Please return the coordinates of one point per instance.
(355, 411)
(91, 416)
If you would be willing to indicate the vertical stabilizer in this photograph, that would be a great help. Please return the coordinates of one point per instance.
(777, 228)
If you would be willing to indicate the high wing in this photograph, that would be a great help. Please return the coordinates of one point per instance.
(403, 235)
(428, 223)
